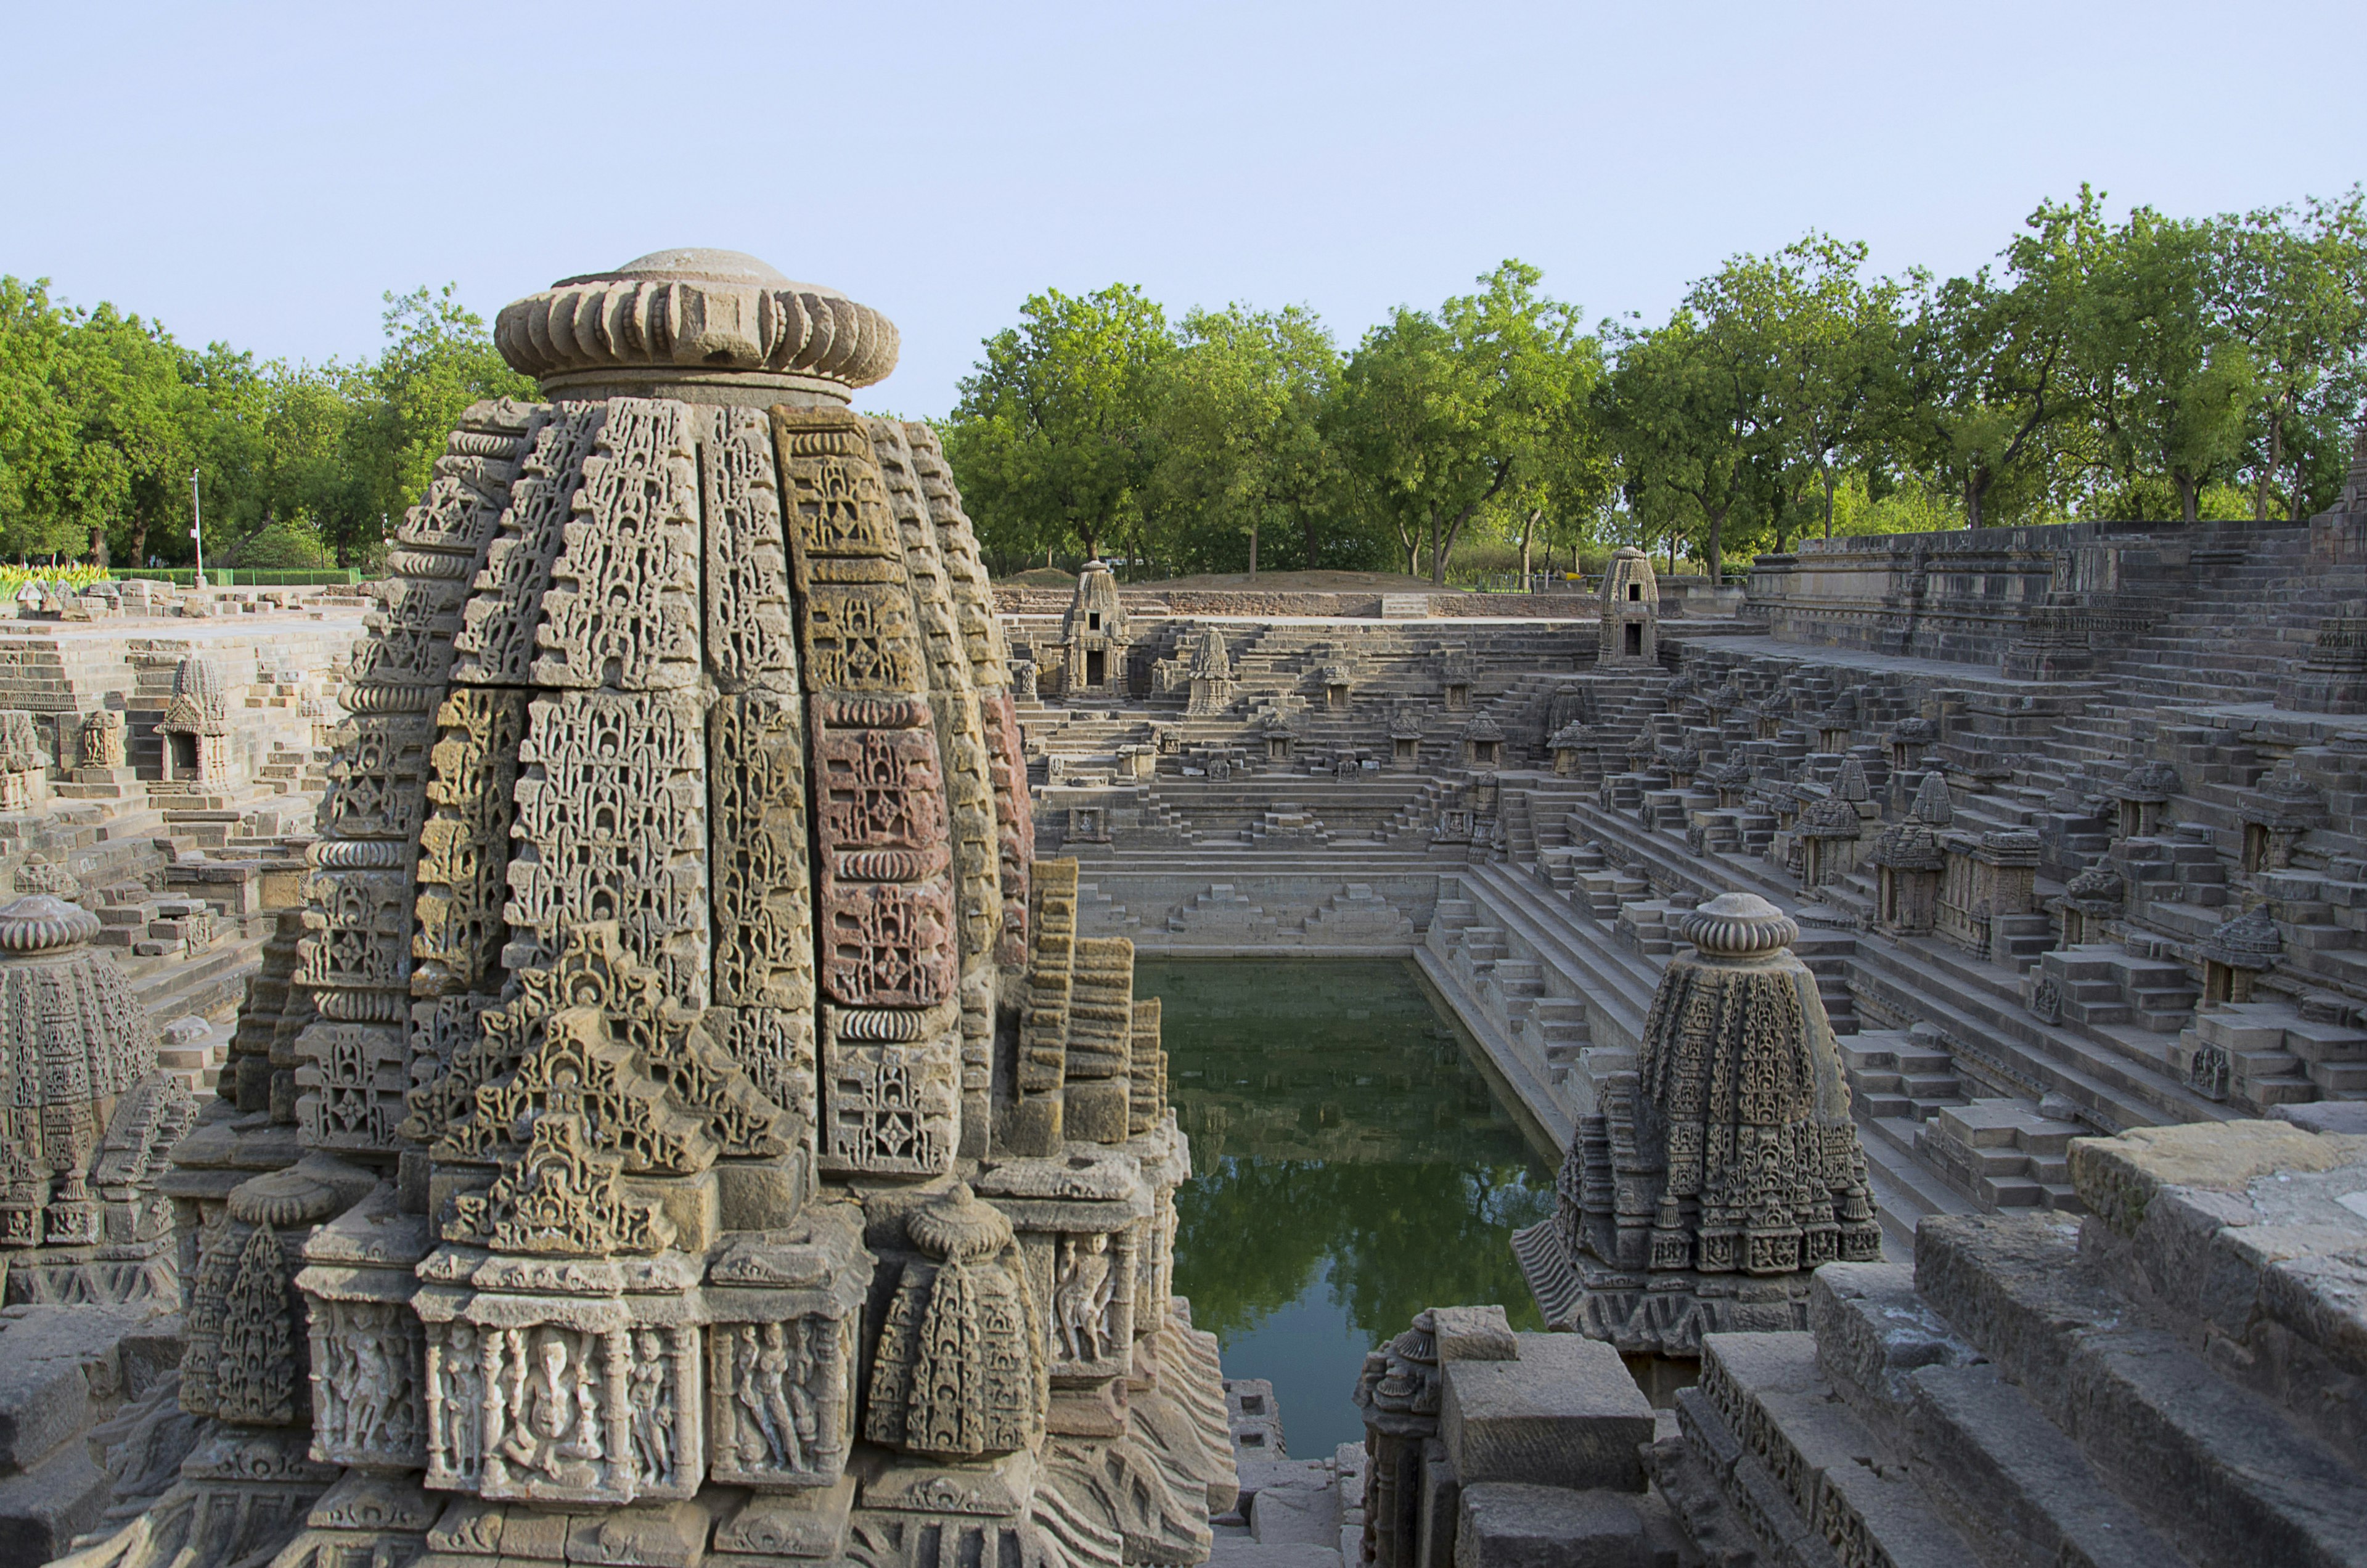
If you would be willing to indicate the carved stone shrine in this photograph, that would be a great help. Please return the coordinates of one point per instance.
(689, 1128)
(1724, 1169)
(85, 1119)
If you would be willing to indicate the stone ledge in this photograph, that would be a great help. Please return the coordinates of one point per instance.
(2228, 1474)
(1565, 1414)
(2117, 1177)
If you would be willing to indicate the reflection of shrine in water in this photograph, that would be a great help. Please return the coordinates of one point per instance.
(1351, 1168)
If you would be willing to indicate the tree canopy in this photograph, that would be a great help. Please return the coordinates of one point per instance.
(2151, 367)
(104, 417)
(2148, 366)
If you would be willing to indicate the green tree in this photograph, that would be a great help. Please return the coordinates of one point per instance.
(1832, 341)
(1051, 440)
(1240, 448)
(1684, 409)
(2168, 385)
(38, 428)
(1439, 418)
(136, 425)
(438, 359)
(2293, 285)
(94, 426)
(1983, 385)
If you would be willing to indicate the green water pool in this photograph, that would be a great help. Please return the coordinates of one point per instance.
(1351, 1166)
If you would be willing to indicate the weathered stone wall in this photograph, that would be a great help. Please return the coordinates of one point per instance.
(1679, 596)
(1968, 596)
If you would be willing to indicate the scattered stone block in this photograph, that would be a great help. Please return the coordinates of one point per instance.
(1509, 1525)
(1566, 1413)
(1296, 1503)
(1234, 1552)
(1475, 1334)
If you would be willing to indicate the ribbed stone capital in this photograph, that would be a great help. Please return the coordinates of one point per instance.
(704, 325)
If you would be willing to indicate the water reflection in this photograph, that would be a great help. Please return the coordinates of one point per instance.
(1352, 1169)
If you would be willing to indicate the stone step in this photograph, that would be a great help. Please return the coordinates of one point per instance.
(2220, 1469)
(2018, 1487)
(1798, 1463)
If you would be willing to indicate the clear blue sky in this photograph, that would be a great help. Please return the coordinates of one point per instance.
(261, 173)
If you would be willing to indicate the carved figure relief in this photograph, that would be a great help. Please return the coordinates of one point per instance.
(102, 738)
(783, 1401)
(552, 1427)
(366, 1400)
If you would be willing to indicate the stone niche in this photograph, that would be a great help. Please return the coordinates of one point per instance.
(1630, 621)
(194, 732)
(692, 1128)
(1093, 634)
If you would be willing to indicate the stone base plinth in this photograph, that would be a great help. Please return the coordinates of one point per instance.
(1659, 1313)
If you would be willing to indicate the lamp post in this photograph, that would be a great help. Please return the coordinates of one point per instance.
(196, 530)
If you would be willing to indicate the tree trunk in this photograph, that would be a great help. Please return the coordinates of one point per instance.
(140, 541)
(1253, 533)
(98, 547)
(2268, 470)
(1528, 529)
(1973, 489)
(2188, 494)
(1717, 547)
(1437, 557)
(1829, 499)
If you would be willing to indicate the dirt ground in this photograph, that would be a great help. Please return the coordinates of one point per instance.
(1265, 581)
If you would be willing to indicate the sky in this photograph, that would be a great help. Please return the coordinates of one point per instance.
(263, 174)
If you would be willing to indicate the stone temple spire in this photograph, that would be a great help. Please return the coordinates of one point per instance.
(661, 1162)
(1723, 1168)
(85, 1117)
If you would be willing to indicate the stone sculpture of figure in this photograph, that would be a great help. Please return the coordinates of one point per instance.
(775, 1378)
(798, 1373)
(555, 1411)
(1082, 1296)
(756, 1441)
(463, 1394)
(373, 1384)
(652, 1411)
(102, 739)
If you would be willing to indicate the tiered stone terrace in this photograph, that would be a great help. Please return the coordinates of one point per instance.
(184, 868)
(2098, 702)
